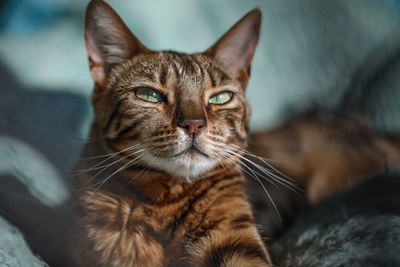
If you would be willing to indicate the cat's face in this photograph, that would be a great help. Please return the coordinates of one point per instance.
(181, 112)
(182, 109)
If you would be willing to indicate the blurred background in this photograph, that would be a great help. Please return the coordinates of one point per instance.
(328, 55)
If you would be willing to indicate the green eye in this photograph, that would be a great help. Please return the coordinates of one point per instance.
(221, 98)
(148, 94)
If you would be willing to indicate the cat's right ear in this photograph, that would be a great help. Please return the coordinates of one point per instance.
(235, 50)
(108, 40)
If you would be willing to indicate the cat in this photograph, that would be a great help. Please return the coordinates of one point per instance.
(159, 182)
(326, 152)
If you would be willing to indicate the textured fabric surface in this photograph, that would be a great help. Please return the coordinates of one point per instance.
(14, 251)
(33, 170)
(357, 227)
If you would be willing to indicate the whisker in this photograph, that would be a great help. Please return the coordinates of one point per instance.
(265, 162)
(145, 168)
(111, 155)
(259, 181)
(88, 139)
(256, 173)
(97, 167)
(105, 168)
(248, 153)
(171, 180)
(284, 181)
(272, 175)
(123, 167)
(222, 164)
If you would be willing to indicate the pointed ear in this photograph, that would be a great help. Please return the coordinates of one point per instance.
(236, 48)
(108, 40)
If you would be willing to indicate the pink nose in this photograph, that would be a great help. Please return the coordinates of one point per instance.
(193, 127)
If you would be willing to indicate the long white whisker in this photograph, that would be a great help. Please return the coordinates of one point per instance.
(147, 166)
(284, 180)
(105, 168)
(110, 157)
(123, 167)
(272, 175)
(254, 172)
(259, 181)
(111, 154)
(263, 160)
(112, 163)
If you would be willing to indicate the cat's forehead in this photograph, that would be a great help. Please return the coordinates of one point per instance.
(171, 68)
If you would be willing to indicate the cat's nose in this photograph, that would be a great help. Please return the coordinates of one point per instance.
(193, 127)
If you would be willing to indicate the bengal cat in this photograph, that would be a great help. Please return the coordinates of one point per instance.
(160, 183)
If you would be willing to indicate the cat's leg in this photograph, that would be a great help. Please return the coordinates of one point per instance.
(227, 239)
(113, 237)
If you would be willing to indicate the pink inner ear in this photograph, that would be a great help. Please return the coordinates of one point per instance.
(98, 76)
(97, 66)
(243, 76)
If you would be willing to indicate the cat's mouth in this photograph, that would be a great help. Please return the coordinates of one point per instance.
(192, 150)
(189, 163)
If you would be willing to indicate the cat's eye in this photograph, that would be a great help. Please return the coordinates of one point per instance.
(149, 94)
(220, 98)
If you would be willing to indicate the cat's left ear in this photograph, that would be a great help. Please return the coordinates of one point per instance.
(236, 48)
(109, 42)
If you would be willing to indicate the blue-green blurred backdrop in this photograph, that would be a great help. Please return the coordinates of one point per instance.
(307, 48)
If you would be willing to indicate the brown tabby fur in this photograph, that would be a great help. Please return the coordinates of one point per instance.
(170, 194)
(326, 154)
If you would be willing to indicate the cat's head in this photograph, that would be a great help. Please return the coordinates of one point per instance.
(181, 113)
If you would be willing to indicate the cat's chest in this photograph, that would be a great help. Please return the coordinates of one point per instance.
(167, 222)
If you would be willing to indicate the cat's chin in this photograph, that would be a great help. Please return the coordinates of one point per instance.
(185, 165)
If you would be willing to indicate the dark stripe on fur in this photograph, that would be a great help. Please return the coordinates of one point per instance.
(189, 65)
(191, 202)
(212, 79)
(237, 135)
(128, 129)
(193, 57)
(111, 118)
(242, 222)
(163, 75)
(201, 229)
(230, 185)
(246, 249)
(168, 58)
